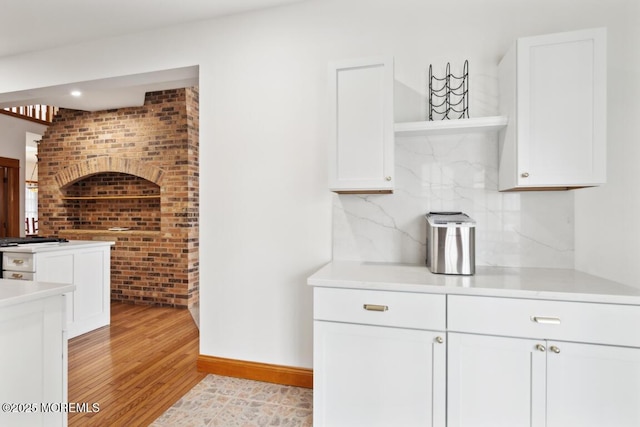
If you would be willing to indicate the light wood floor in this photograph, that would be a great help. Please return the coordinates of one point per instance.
(136, 368)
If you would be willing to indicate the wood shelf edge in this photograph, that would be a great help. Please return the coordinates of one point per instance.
(145, 196)
(113, 233)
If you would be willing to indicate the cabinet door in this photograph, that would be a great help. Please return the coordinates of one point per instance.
(556, 135)
(33, 362)
(361, 125)
(592, 385)
(89, 270)
(57, 267)
(378, 376)
(495, 381)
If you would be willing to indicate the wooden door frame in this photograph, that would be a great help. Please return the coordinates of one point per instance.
(14, 224)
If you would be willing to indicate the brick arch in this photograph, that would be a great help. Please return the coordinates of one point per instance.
(77, 171)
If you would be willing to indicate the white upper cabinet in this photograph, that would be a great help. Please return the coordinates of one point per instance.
(553, 90)
(361, 126)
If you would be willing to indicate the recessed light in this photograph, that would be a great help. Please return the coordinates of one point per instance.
(76, 93)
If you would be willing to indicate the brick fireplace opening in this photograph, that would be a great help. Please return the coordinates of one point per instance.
(131, 176)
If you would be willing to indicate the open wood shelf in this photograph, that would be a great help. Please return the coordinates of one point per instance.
(76, 231)
(445, 127)
(141, 196)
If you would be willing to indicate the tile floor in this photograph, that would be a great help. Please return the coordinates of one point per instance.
(219, 401)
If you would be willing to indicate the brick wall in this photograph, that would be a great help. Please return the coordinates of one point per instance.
(134, 168)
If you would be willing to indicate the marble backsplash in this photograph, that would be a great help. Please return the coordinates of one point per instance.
(454, 173)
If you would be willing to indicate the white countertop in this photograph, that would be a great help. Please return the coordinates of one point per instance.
(55, 246)
(538, 283)
(14, 292)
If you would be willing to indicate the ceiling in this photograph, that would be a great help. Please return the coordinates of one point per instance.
(32, 25)
(104, 94)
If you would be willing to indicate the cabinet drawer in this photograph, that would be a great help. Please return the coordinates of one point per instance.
(554, 320)
(18, 275)
(18, 261)
(383, 308)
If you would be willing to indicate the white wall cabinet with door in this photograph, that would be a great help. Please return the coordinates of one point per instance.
(553, 90)
(361, 146)
(518, 362)
(379, 358)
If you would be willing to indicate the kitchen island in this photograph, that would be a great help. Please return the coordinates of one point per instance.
(33, 359)
(84, 264)
(505, 347)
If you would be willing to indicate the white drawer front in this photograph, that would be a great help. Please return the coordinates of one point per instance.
(18, 261)
(383, 308)
(555, 320)
(17, 275)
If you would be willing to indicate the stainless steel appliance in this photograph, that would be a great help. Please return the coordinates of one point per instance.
(451, 241)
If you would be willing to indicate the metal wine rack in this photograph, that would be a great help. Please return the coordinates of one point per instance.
(449, 95)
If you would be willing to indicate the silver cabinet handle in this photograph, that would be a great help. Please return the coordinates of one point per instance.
(525, 174)
(16, 276)
(555, 349)
(546, 320)
(388, 178)
(540, 347)
(375, 307)
(18, 261)
(439, 340)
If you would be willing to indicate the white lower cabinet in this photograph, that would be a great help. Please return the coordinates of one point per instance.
(90, 271)
(371, 375)
(389, 359)
(539, 382)
(494, 381)
(592, 385)
(378, 376)
(33, 363)
(87, 266)
(500, 381)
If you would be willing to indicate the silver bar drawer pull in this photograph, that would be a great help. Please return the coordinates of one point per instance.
(375, 307)
(546, 320)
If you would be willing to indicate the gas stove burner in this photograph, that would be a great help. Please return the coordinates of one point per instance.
(15, 241)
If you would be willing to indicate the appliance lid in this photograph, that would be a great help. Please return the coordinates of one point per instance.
(449, 219)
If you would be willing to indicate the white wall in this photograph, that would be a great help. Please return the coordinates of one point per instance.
(31, 157)
(607, 226)
(265, 210)
(13, 134)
